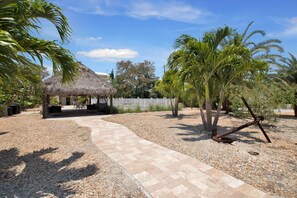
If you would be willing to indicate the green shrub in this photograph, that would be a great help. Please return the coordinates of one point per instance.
(138, 109)
(54, 101)
(263, 99)
(151, 107)
(3, 110)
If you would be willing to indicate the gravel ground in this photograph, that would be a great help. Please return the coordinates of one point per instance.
(273, 170)
(43, 158)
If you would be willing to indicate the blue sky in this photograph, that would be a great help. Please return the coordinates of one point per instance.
(107, 31)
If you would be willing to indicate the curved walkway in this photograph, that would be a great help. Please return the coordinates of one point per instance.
(161, 171)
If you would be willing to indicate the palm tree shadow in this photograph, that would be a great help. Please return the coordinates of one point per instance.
(247, 137)
(32, 176)
(193, 133)
(179, 117)
(3, 133)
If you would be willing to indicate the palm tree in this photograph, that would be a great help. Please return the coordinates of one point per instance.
(19, 49)
(210, 67)
(288, 72)
(262, 50)
(171, 86)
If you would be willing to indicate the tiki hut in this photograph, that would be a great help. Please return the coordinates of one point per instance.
(86, 83)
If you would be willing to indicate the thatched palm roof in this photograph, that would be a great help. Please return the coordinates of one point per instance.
(86, 83)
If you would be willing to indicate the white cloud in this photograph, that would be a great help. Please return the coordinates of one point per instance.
(109, 54)
(87, 41)
(290, 27)
(170, 10)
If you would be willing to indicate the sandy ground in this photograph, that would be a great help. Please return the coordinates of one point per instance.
(43, 158)
(273, 170)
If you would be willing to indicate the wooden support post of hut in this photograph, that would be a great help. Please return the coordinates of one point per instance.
(45, 104)
(86, 83)
(90, 100)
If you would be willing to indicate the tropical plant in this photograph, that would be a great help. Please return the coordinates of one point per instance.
(171, 86)
(288, 72)
(211, 67)
(264, 50)
(26, 91)
(264, 97)
(20, 50)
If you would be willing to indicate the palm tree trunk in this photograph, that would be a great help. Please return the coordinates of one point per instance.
(172, 108)
(295, 105)
(217, 116)
(208, 109)
(176, 107)
(202, 116)
(200, 103)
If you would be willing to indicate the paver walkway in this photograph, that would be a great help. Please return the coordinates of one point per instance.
(163, 172)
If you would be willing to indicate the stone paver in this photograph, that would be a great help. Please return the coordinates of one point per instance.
(161, 171)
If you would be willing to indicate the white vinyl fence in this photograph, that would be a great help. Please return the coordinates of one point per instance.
(143, 103)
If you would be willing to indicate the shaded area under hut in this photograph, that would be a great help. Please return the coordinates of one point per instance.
(86, 83)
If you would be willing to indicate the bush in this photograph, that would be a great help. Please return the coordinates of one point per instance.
(138, 109)
(263, 99)
(3, 110)
(151, 108)
(54, 101)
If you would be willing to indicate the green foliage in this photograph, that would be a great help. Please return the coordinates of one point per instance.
(25, 91)
(222, 57)
(158, 108)
(3, 110)
(54, 101)
(82, 99)
(138, 109)
(151, 108)
(134, 79)
(288, 72)
(20, 51)
(263, 97)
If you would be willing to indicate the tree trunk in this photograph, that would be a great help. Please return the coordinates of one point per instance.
(202, 116)
(208, 109)
(217, 116)
(172, 108)
(45, 103)
(176, 107)
(295, 105)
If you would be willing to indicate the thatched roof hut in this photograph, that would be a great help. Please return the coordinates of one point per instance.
(86, 83)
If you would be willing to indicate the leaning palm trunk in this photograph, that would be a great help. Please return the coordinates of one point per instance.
(208, 109)
(202, 116)
(217, 116)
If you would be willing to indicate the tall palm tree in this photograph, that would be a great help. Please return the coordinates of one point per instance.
(288, 72)
(197, 61)
(19, 49)
(210, 67)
